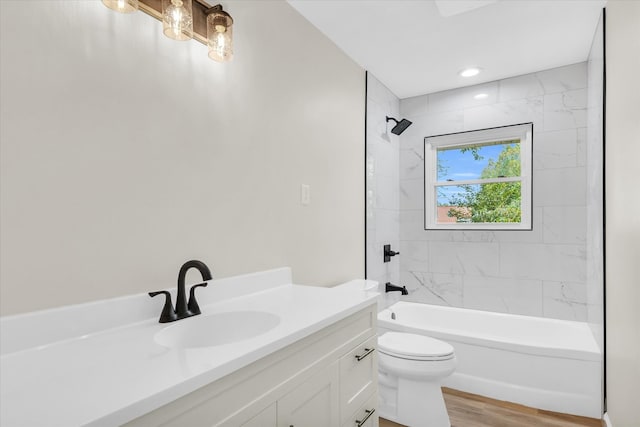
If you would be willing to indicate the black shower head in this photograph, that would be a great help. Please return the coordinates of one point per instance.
(400, 125)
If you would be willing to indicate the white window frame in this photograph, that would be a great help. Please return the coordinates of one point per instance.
(522, 132)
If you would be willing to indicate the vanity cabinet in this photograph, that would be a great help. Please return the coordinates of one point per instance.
(314, 403)
(327, 379)
(266, 418)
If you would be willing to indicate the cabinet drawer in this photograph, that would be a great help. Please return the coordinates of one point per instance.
(366, 415)
(358, 377)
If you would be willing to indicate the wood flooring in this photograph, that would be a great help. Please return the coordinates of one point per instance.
(470, 410)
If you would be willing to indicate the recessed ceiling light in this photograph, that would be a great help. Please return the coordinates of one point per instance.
(470, 72)
(481, 96)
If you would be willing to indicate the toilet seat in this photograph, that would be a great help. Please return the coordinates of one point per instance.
(414, 347)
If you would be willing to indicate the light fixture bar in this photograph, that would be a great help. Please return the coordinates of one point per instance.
(153, 8)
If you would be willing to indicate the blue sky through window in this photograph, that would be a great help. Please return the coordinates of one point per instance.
(456, 165)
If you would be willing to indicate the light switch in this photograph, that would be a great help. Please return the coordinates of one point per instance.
(305, 194)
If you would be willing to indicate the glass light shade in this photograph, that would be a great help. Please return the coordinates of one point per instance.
(123, 6)
(220, 36)
(177, 19)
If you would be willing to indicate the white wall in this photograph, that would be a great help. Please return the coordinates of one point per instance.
(540, 272)
(622, 151)
(125, 153)
(382, 196)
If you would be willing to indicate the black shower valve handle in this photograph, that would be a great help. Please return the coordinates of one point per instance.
(388, 253)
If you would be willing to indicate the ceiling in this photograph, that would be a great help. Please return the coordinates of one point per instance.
(416, 47)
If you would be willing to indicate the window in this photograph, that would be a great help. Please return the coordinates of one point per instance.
(479, 179)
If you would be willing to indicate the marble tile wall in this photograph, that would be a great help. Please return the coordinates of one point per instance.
(382, 178)
(542, 272)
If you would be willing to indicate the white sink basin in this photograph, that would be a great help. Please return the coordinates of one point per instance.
(216, 329)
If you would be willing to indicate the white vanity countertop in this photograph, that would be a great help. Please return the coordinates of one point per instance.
(110, 376)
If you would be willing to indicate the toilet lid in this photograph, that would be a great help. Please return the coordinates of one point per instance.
(415, 347)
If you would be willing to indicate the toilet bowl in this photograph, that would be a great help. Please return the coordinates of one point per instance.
(411, 368)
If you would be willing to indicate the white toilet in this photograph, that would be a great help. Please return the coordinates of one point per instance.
(411, 368)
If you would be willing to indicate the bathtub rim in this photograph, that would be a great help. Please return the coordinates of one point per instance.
(489, 341)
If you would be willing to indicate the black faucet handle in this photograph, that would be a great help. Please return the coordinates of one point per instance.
(168, 313)
(193, 304)
(388, 253)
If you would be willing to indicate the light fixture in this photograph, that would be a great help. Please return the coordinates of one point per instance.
(122, 6)
(186, 19)
(481, 96)
(470, 72)
(219, 34)
(177, 19)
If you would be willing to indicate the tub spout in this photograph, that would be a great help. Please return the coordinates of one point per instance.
(388, 287)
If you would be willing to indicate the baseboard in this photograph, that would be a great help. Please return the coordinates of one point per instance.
(606, 421)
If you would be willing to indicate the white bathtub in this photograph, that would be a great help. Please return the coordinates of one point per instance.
(543, 363)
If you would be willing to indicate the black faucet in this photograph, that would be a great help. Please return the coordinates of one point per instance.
(388, 287)
(183, 309)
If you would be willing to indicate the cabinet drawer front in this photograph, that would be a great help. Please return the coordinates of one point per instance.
(366, 415)
(358, 377)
